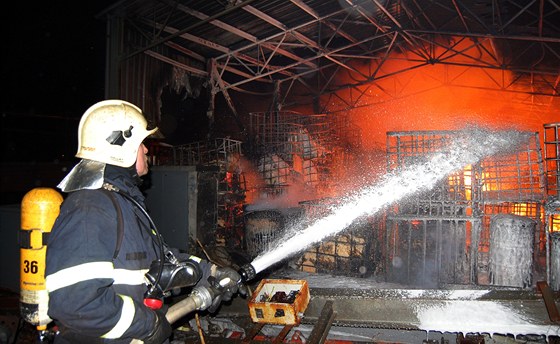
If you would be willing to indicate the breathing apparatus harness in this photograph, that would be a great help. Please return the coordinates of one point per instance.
(177, 274)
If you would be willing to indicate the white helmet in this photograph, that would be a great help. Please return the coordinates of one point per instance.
(111, 132)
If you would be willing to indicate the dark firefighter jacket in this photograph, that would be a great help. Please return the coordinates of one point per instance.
(93, 297)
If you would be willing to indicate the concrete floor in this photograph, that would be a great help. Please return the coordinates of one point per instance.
(224, 329)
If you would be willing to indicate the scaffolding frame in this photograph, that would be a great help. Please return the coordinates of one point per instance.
(289, 147)
(552, 158)
(456, 212)
(552, 207)
(216, 152)
(220, 156)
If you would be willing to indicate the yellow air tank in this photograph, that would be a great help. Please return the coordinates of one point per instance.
(39, 209)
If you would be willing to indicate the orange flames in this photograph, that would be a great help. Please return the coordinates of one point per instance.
(439, 97)
(429, 98)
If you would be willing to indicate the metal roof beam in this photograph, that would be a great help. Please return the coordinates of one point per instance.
(215, 46)
(486, 35)
(240, 33)
(299, 36)
(320, 54)
(374, 22)
(201, 58)
(314, 14)
(408, 38)
(282, 33)
(539, 15)
(521, 11)
(369, 18)
(217, 83)
(177, 64)
(334, 51)
(186, 51)
(460, 14)
(190, 28)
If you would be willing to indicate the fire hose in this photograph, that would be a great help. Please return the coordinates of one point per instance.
(200, 298)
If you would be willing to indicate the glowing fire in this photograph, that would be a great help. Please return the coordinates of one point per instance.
(433, 97)
(555, 223)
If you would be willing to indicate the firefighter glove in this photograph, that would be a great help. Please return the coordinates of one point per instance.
(161, 331)
(224, 283)
(230, 282)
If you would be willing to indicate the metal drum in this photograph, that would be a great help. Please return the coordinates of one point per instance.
(555, 261)
(511, 250)
(262, 228)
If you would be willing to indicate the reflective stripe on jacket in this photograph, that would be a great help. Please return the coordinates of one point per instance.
(90, 293)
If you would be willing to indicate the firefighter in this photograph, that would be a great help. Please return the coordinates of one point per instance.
(105, 261)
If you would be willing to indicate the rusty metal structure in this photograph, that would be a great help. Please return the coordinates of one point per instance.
(288, 51)
(552, 207)
(219, 159)
(292, 148)
(443, 236)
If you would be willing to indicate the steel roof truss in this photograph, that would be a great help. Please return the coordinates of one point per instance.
(272, 54)
(297, 35)
(315, 15)
(521, 11)
(409, 39)
(217, 83)
(238, 32)
(476, 17)
(293, 65)
(426, 17)
(451, 52)
(283, 32)
(214, 46)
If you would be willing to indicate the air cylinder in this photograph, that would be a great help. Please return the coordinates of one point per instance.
(39, 209)
(511, 250)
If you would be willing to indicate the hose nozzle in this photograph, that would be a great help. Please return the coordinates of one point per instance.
(247, 272)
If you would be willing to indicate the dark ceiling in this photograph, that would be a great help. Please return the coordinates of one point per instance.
(253, 44)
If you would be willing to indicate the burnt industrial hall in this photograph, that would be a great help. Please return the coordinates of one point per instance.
(376, 171)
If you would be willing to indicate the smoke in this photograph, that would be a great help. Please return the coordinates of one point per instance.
(289, 197)
(262, 196)
(468, 148)
(441, 97)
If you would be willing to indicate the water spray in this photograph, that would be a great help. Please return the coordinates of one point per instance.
(466, 149)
